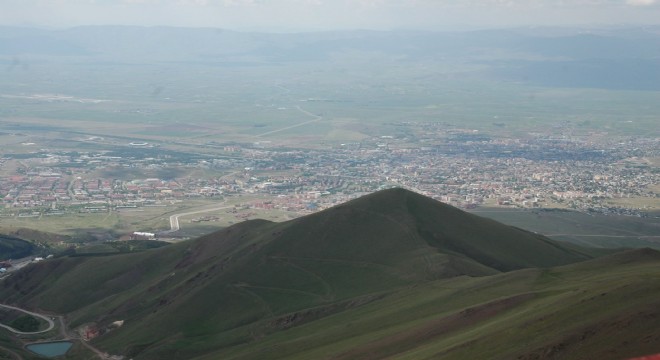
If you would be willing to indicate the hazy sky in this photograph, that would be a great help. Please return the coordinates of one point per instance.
(296, 15)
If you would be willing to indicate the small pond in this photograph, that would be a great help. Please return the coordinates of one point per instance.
(50, 349)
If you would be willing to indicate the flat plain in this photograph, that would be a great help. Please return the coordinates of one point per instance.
(191, 103)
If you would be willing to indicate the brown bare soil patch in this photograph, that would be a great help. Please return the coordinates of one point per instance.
(635, 333)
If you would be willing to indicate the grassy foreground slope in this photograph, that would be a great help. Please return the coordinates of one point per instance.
(607, 308)
(257, 284)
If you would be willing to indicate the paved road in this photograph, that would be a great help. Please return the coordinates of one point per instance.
(174, 219)
(51, 323)
(316, 118)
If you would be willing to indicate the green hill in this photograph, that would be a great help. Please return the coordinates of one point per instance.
(14, 248)
(387, 274)
(601, 309)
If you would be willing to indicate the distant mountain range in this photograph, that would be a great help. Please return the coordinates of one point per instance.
(164, 44)
(613, 58)
(390, 275)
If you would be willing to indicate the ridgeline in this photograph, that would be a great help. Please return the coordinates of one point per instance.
(391, 274)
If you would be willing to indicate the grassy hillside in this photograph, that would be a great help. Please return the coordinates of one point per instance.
(35, 235)
(601, 309)
(257, 284)
(13, 248)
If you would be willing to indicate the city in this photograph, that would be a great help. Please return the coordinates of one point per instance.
(462, 167)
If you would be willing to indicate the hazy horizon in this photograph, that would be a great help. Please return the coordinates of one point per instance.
(324, 15)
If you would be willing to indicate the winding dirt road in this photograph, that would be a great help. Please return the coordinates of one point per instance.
(51, 323)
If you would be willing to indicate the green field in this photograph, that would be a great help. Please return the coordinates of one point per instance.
(581, 228)
(210, 103)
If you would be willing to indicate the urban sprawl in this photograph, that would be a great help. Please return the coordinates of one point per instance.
(461, 167)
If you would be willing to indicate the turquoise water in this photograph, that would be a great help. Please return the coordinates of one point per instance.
(51, 349)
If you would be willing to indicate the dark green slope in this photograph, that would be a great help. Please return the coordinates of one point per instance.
(603, 309)
(14, 248)
(455, 232)
(259, 278)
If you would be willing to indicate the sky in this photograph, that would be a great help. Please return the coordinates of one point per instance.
(311, 15)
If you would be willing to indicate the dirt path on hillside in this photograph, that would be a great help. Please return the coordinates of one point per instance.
(51, 323)
(11, 353)
(64, 332)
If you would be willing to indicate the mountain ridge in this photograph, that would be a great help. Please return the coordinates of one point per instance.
(260, 280)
